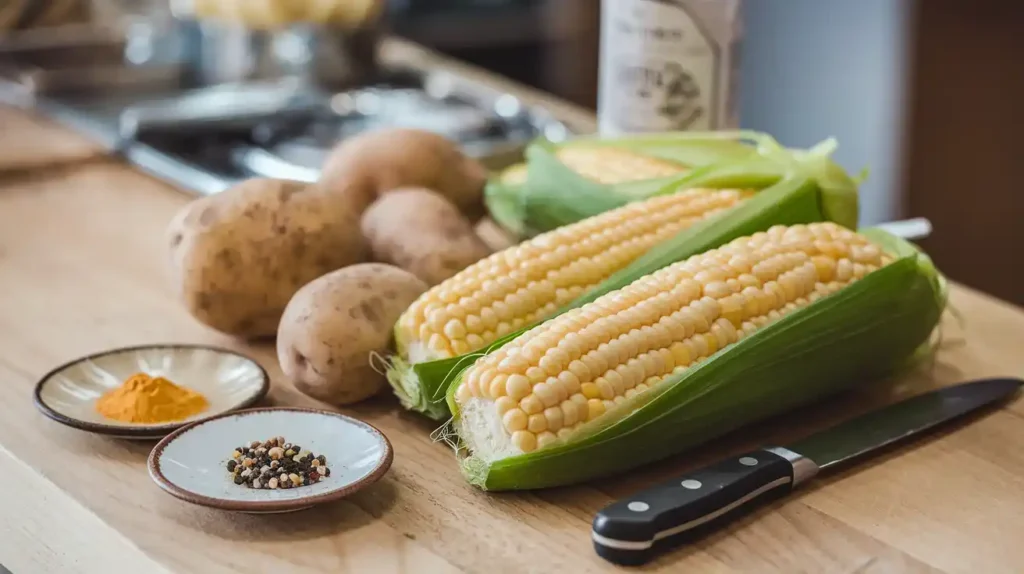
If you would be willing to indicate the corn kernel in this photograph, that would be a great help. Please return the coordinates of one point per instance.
(514, 420)
(517, 387)
(503, 404)
(590, 390)
(546, 393)
(554, 418)
(525, 441)
(537, 423)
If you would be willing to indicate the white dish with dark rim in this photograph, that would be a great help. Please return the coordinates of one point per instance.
(227, 379)
(191, 463)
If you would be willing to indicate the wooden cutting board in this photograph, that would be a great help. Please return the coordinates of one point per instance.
(82, 269)
(28, 141)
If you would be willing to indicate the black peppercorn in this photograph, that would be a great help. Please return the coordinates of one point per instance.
(254, 466)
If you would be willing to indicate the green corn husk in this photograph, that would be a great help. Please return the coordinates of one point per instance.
(867, 330)
(502, 195)
(546, 199)
(553, 195)
(802, 187)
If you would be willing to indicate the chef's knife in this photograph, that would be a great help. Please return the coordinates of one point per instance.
(634, 530)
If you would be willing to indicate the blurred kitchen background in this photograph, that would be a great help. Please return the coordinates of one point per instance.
(926, 94)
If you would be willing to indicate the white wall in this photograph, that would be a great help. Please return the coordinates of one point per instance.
(813, 69)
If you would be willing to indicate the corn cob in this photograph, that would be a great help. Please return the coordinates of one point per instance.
(605, 165)
(761, 324)
(612, 165)
(531, 281)
(569, 181)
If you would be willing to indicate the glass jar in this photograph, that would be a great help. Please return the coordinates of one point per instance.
(668, 66)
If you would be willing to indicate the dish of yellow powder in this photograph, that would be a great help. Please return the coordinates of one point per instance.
(147, 392)
(146, 399)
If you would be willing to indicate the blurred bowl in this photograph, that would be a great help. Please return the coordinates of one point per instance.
(222, 52)
(242, 40)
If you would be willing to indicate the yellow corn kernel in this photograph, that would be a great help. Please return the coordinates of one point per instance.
(517, 387)
(554, 418)
(611, 165)
(525, 441)
(545, 438)
(531, 405)
(590, 390)
(515, 420)
(536, 423)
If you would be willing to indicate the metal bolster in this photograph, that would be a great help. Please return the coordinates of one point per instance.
(803, 468)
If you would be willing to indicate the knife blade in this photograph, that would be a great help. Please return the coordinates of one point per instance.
(909, 229)
(636, 529)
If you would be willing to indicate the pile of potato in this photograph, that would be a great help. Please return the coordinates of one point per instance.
(329, 267)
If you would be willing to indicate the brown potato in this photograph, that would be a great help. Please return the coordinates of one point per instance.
(496, 237)
(239, 256)
(377, 162)
(332, 326)
(421, 232)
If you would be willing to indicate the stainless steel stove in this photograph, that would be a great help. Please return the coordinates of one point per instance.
(208, 137)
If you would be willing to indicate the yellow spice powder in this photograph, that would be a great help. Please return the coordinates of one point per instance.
(144, 399)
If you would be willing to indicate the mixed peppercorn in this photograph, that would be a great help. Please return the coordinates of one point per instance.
(274, 464)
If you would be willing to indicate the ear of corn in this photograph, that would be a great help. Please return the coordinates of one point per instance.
(611, 171)
(567, 182)
(427, 363)
(761, 325)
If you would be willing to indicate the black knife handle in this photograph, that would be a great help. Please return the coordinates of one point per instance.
(635, 529)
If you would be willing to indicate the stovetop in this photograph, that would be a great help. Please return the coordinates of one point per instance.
(209, 138)
(292, 141)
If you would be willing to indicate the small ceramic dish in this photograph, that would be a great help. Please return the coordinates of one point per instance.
(191, 463)
(227, 379)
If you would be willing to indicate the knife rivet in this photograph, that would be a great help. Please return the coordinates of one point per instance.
(637, 506)
(691, 484)
(748, 461)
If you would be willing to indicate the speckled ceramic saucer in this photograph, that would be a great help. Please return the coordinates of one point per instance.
(227, 379)
(190, 463)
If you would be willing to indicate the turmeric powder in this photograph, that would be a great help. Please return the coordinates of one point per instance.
(144, 399)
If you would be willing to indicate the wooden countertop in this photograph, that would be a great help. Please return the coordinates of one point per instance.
(82, 269)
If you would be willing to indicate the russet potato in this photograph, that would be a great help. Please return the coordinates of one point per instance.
(239, 256)
(374, 163)
(421, 232)
(333, 326)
